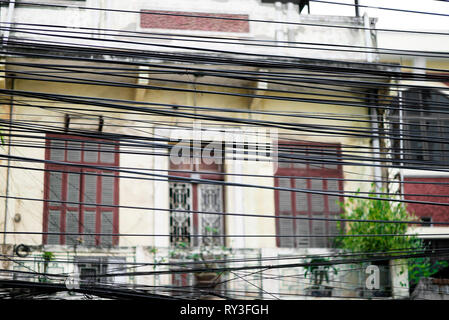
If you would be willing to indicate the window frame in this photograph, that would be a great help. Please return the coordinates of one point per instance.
(291, 173)
(101, 265)
(421, 108)
(67, 168)
(198, 171)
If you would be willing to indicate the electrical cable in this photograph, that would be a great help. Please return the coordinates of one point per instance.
(381, 8)
(216, 17)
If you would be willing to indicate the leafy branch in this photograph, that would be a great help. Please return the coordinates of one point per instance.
(206, 253)
(318, 272)
(391, 236)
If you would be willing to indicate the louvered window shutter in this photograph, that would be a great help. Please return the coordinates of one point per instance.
(91, 152)
(73, 189)
(302, 229)
(299, 159)
(285, 202)
(73, 151)
(90, 189)
(57, 150)
(89, 227)
(285, 229)
(285, 208)
(107, 190)
(285, 160)
(332, 160)
(106, 228)
(319, 230)
(302, 204)
(317, 199)
(333, 230)
(54, 225)
(445, 134)
(107, 154)
(315, 158)
(332, 186)
(433, 133)
(84, 193)
(314, 203)
(416, 144)
(71, 226)
(55, 190)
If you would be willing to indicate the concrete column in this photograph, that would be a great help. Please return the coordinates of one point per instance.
(143, 80)
(235, 204)
(270, 284)
(4, 115)
(143, 256)
(368, 40)
(161, 219)
(290, 18)
(399, 279)
(280, 32)
(419, 62)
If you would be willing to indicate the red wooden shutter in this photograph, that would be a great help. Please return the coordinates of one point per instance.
(310, 162)
(54, 225)
(286, 226)
(65, 191)
(106, 227)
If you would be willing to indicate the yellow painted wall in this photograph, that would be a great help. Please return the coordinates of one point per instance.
(4, 112)
(140, 192)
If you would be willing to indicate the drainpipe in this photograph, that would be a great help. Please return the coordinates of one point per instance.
(368, 41)
(376, 143)
(373, 110)
(11, 7)
(290, 17)
(8, 167)
(279, 31)
(401, 141)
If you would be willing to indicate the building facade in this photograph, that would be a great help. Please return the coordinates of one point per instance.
(96, 104)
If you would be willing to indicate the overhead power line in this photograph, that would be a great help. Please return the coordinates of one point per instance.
(290, 45)
(148, 12)
(381, 8)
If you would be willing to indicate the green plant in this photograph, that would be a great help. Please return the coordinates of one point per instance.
(206, 254)
(392, 236)
(47, 256)
(423, 268)
(156, 259)
(318, 272)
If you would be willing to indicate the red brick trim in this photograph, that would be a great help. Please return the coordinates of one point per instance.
(438, 213)
(198, 21)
